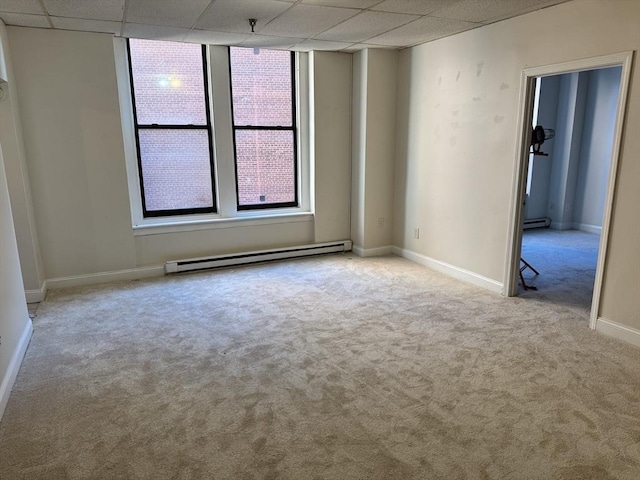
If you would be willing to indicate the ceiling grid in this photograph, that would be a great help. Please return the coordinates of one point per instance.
(341, 25)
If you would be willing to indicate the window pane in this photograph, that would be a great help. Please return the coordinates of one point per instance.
(261, 86)
(265, 169)
(176, 170)
(168, 82)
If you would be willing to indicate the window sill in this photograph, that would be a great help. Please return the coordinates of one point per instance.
(161, 226)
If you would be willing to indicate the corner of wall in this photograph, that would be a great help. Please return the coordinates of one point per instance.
(36, 295)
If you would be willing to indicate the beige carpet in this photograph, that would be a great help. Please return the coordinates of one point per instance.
(324, 368)
(566, 261)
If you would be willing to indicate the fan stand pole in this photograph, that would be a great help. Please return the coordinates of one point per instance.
(523, 268)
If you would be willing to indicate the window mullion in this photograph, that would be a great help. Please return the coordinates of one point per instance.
(262, 127)
(223, 133)
(161, 126)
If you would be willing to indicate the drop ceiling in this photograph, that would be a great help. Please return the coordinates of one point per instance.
(304, 25)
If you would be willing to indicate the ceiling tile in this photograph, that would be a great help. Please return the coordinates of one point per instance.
(523, 8)
(366, 25)
(166, 12)
(343, 3)
(307, 20)
(471, 10)
(362, 46)
(21, 6)
(91, 9)
(234, 15)
(84, 25)
(485, 10)
(154, 32)
(312, 44)
(206, 37)
(266, 41)
(25, 20)
(419, 7)
(280, 23)
(422, 30)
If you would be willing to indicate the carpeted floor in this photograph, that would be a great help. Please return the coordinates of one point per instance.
(324, 368)
(566, 261)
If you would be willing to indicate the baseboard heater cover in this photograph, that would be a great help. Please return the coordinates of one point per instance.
(537, 223)
(217, 261)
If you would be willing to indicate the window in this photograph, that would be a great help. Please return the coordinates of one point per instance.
(264, 127)
(172, 127)
(213, 135)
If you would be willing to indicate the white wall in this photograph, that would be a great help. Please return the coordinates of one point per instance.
(74, 149)
(19, 187)
(374, 121)
(596, 148)
(382, 85)
(73, 141)
(331, 144)
(458, 99)
(565, 155)
(15, 324)
(456, 131)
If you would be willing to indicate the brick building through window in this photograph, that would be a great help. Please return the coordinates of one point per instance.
(262, 86)
(173, 128)
(174, 132)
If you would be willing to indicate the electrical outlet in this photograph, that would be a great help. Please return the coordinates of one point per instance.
(416, 233)
(380, 222)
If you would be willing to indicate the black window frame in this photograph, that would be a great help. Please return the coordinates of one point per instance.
(155, 126)
(293, 128)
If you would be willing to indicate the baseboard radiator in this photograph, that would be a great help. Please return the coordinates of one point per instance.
(217, 261)
(537, 223)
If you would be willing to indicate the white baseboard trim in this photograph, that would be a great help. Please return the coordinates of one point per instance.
(36, 296)
(584, 227)
(621, 332)
(105, 277)
(561, 225)
(372, 252)
(14, 366)
(451, 270)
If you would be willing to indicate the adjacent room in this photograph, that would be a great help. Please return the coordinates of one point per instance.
(251, 239)
(567, 182)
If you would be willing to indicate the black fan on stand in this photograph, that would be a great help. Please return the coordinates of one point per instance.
(538, 136)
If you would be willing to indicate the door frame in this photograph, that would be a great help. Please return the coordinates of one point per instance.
(518, 187)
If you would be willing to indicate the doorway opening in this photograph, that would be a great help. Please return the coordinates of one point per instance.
(568, 194)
